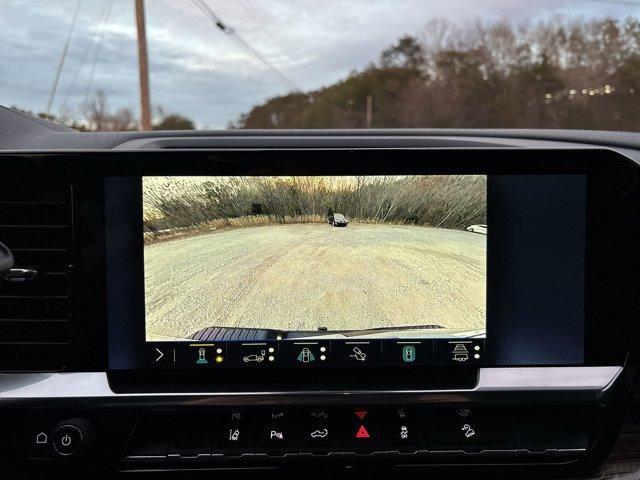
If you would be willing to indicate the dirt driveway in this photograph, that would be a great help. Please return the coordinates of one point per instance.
(300, 277)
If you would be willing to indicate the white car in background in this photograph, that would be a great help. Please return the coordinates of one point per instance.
(477, 229)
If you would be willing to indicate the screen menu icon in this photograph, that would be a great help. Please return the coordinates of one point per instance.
(408, 353)
(306, 353)
(356, 353)
(207, 354)
(460, 352)
(258, 354)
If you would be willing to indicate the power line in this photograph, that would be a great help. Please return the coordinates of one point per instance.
(236, 37)
(265, 23)
(98, 51)
(56, 79)
(103, 19)
(260, 13)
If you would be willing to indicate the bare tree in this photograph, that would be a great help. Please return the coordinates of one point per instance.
(99, 117)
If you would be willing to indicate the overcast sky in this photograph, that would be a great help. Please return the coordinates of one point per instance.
(197, 71)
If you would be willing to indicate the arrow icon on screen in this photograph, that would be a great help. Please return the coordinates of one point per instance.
(159, 356)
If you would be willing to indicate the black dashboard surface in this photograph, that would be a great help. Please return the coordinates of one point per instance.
(19, 131)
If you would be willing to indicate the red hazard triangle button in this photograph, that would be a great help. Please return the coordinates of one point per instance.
(361, 414)
(362, 432)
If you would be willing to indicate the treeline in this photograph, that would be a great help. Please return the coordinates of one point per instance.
(554, 74)
(439, 201)
(97, 116)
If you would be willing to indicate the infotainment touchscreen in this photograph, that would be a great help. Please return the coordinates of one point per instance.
(267, 261)
(315, 258)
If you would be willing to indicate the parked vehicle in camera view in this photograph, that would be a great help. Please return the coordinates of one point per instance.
(338, 220)
(482, 229)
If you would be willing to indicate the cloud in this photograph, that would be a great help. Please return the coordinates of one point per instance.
(198, 71)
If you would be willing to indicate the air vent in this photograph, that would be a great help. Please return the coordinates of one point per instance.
(35, 300)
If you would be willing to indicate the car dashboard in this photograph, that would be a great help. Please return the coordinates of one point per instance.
(107, 369)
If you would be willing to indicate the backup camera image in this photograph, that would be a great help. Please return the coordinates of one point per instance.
(255, 258)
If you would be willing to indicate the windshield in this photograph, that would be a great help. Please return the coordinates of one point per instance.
(208, 64)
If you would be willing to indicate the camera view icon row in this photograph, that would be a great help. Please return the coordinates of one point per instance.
(318, 353)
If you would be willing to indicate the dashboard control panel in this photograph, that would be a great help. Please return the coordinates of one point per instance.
(279, 308)
(210, 437)
(466, 433)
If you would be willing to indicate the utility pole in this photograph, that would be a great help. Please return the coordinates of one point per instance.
(369, 117)
(143, 68)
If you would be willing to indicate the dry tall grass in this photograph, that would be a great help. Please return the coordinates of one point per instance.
(445, 201)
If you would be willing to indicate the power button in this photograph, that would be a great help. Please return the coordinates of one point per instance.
(67, 439)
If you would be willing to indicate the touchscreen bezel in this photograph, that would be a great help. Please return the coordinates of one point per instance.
(602, 202)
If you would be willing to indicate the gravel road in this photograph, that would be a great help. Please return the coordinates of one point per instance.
(302, 276)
